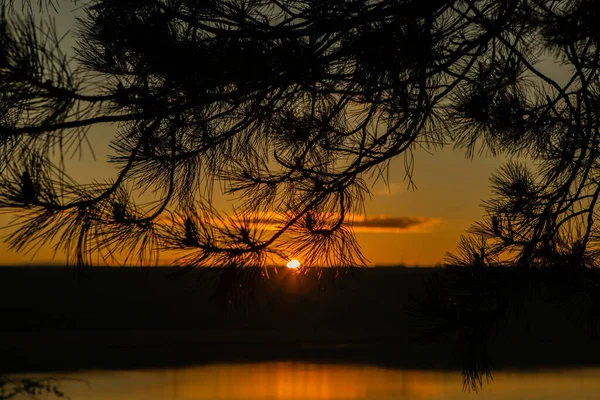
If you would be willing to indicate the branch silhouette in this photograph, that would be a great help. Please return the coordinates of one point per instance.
(292, 105)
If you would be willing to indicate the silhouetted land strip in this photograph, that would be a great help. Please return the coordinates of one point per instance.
(58, 319)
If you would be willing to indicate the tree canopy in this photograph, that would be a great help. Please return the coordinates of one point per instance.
(292, 105)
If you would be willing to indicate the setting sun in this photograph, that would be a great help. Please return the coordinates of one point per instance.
(293, 264)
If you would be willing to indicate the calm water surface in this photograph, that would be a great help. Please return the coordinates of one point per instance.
(300, 380)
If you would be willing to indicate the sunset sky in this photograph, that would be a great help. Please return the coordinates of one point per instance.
(412, 227)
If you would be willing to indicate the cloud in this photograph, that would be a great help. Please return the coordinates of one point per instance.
(270, 221)
(371, 224)
(384, 223)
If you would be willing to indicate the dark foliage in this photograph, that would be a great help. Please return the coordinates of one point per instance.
(293, 105)
(10, 388)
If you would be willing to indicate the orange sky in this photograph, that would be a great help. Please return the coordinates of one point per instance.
(413, 227)
(450, 191)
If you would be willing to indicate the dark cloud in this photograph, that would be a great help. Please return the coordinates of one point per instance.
(389, 224)
(385, 222)
(378, 223)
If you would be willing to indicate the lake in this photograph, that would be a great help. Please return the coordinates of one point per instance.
(320, 381)
(126, 332)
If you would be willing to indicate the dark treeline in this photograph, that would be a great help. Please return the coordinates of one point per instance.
(126, 317)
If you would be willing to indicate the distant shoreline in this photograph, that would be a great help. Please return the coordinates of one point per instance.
(56, 319)
(169, 349)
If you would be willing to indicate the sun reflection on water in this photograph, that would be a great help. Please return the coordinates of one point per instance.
(315, 381)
